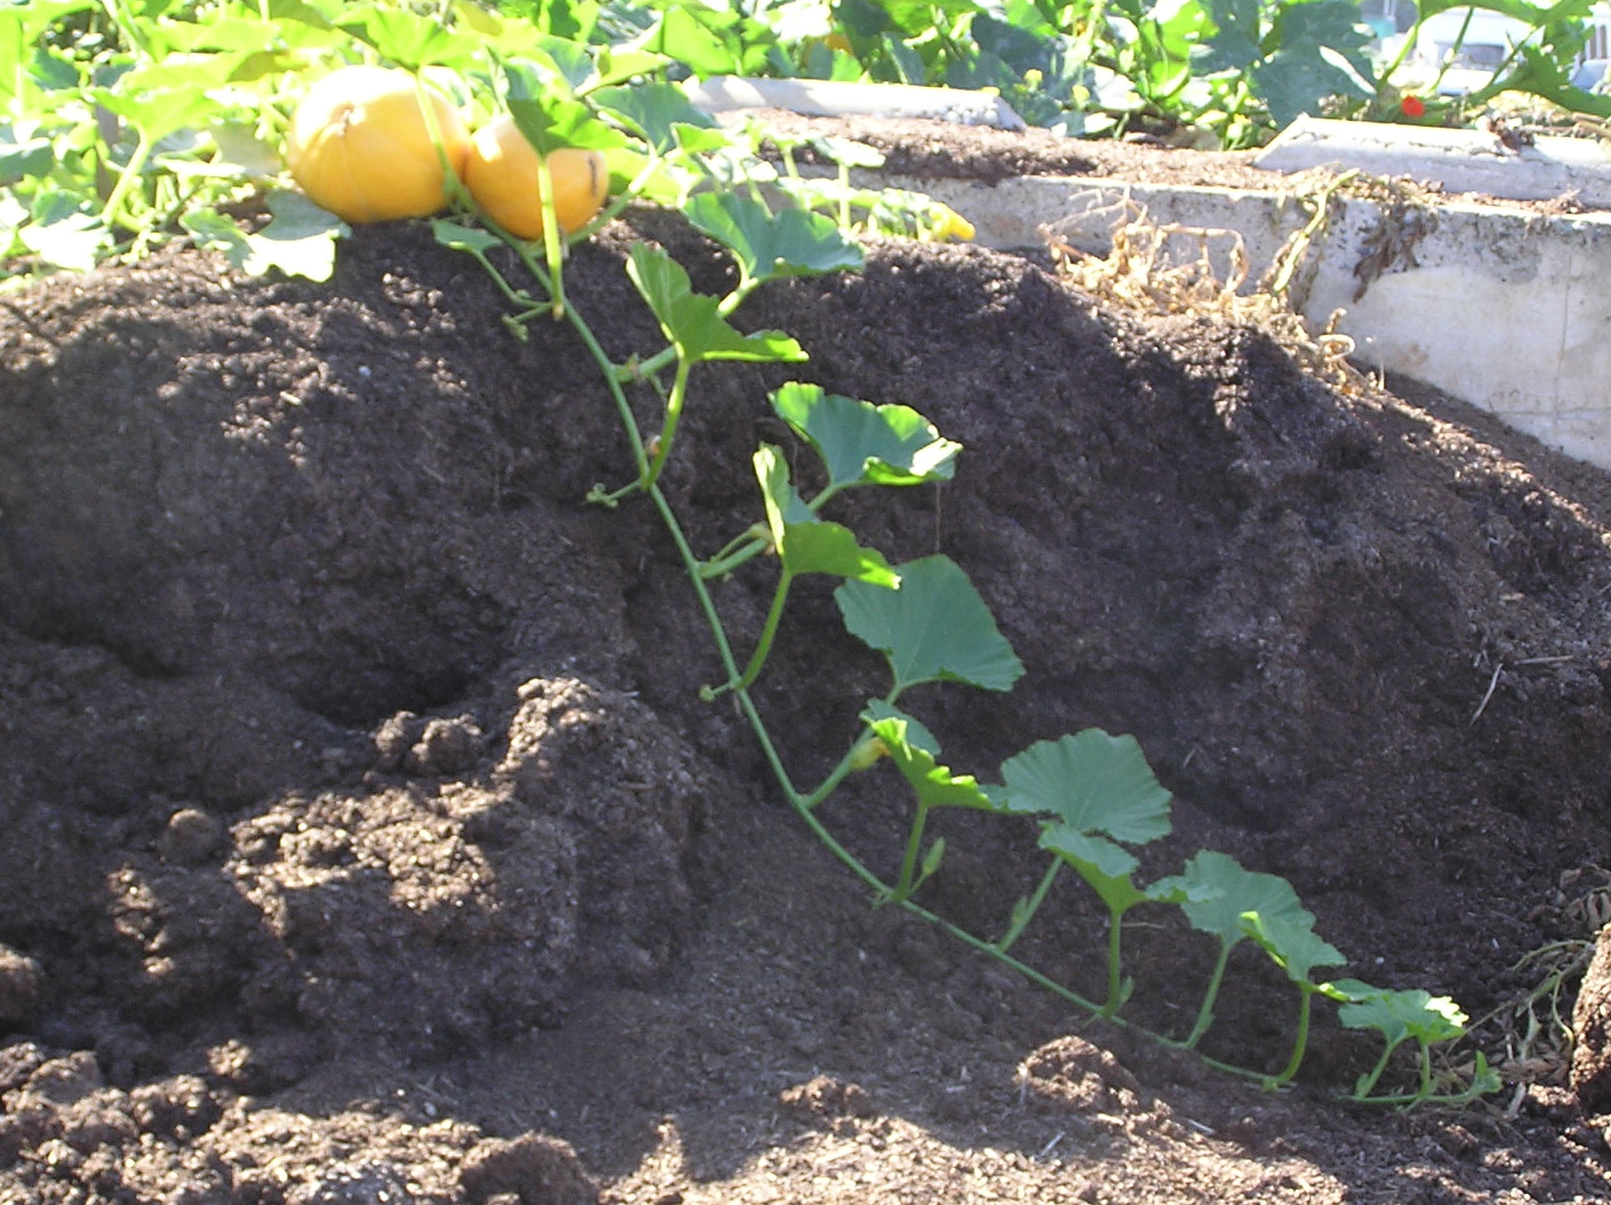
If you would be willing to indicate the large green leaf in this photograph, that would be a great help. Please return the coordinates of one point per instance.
(159, 107)
(791, 243)
(1223, 892)
(692, 321)
(1091, 781)
(861, 443)
(934, 628)
(700, 38)
(807, 544)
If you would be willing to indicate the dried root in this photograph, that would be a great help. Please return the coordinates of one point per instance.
(1177, 269)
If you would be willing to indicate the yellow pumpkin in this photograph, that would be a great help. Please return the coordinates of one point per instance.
(501, 174)
(360, 146)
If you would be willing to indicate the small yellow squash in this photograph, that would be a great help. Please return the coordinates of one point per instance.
(361, 147)
(501, 174)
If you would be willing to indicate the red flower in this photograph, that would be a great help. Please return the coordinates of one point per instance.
(1413, 106)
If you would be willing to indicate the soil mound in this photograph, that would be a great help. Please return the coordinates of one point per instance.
(339, 733)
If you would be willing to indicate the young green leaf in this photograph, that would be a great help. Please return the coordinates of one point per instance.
(1400, 1016)
(935, 785)
(1397, 1015)
(915, 733)
(1105, 866)
(472, 239)
(691, 321)
(1092, 782)
(1219, 895)
(1292, 944)
(768, 246)
(864, 444)
(806, 543)
(935, 628)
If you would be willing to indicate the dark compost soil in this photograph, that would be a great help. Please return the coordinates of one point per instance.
(365, 839)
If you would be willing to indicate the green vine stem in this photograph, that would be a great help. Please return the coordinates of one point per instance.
(763, 646)
(553, 239)
(1023, 915)
(914, 848)
(1205, 1013)
(668, 432)
(112, 211)
(1300, 1044)
(1116, 992)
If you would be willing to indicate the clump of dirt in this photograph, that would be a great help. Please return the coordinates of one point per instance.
(181, 1140)
(357, 787)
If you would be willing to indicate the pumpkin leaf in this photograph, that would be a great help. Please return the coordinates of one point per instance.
(654, 110)
(864, 444)
(934, 628)
(1292, 944)
(934, 784)
(1397, 1015)
(62, 233)
(915, 733)
(550, 124)
(806, 543)
(692, 321)
(769, 246)
(1092, 782)
(299, 240)
(407, 39)
(1221, 893)
(464, 238)
(1105, 866)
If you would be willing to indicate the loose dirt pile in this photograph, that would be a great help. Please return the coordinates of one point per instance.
(366, 839)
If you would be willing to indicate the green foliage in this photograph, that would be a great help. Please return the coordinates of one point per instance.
(161, 125)
(298, 240)
(692, 321)
(865, 444)
(935, 628)
(768, 246)
(807, 544)
(1093, 783)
